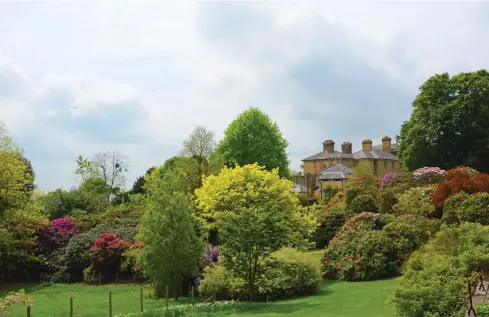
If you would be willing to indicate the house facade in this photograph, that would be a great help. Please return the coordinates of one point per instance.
(332, 168)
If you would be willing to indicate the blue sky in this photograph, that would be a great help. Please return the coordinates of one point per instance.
(138, 76)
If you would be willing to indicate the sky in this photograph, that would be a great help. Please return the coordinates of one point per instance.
(84, 77)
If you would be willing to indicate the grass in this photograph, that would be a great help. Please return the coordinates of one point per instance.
(366, 299)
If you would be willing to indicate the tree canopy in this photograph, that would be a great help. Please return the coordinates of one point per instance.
(448, 126)
(253, 138)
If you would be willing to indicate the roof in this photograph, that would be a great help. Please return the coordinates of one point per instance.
(379, 147)
(337, 171)
(324, 155)
(374, 154)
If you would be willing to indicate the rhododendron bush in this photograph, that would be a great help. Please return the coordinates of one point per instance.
(428, 175)
(106, 253)
(372, 246)
(55, 234)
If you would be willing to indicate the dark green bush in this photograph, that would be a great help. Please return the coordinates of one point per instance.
(386, 199)
(362, 203)
(287, 273)
(330, 222)
(452, 205)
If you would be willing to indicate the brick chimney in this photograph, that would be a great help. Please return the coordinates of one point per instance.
(328, 146)
(367, 145)
(346, 148)
(386, 144)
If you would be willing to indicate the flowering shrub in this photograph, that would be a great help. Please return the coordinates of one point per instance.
(457, 180)
(19, 297)
(56, 233)
(387, 178)
(106, 253)
(211, 255)
(428, 175)
(130, 256)
(416, 200)
(373, 246)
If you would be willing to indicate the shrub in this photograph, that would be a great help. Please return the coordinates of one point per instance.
(416, 200)
(106, 253)
(458, 180)
(211, 255)
(220, 282)
(469, 208)
(329, 192)
(399, 182)
(435, 281)
(330, 222)
(372, 246)
(428, 176)
(337, 201)
(362, 203)
(90, 275)
(386, 199)
(19, 297)
(55, 234)
(288, 273)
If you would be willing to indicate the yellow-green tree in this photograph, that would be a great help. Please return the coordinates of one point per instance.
(255, 214)
(14, 177)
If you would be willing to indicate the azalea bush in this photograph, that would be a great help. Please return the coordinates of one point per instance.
(428, 175)
(458, 180)
(106, 253)
(386, 178)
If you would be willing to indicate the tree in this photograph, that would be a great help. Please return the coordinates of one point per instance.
(253, 138)
(14, 177)
(255, 214)
(447, 127)
(199, 144)
(109, 166)
(172, 248)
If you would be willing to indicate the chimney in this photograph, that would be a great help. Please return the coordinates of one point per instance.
(386, 144)
(367, 145)
(328, 146)
(346, 148)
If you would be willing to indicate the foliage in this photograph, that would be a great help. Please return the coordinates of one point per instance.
(363, 178)
(172, 247)
(55, 234)
(386, 199)
(251, 187)
(329, 192)
(106, 253)
(416, 200)
(199, 144)
(288, 273)
(130, 258)
(253, 138)
(438, 132)
(18, 241)
(12, 298)
(330, 222)
(452, 206)
(217, 280)
(14, 177)
(372, 246)
(467, 208)
(457, 180)
(387, 178)
(428, 175)
(362, 203)
(435, 281)
(337, 201)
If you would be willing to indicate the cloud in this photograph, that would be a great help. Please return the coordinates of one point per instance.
(80, 78)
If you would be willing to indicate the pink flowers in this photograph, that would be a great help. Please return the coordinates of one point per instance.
(387, 178)
(428, 175)
(107, 251)
(57, 233)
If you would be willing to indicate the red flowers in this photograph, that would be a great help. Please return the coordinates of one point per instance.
(107, 251)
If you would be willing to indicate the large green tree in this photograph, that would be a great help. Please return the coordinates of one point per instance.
(253, 138)
(172, 246)
(448, 126)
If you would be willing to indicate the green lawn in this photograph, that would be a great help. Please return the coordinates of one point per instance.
(335, 299)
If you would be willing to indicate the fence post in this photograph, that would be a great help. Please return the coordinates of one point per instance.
(71, 306)
(110, 304)
(166, 295)
(141, 296)
(28, 311)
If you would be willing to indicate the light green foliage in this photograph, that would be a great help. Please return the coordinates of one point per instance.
(452, 206)
(436, 277)
(14, 176)
(416, 200)
(474, 208)
(172, 248)
(447, 127)
(287, 273)
(220, 282)
(17, 238)
(253, 138)
(12, 298)
(363, 178)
